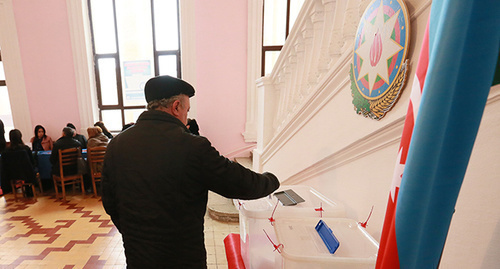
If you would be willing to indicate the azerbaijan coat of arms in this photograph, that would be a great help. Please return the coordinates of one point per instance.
(379, 67)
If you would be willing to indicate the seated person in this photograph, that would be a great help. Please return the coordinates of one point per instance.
(192, 126)
(65, 142)
(96, 138)
(3, 143)
(105, 131)
(17, 162)
(79, 137)
(41, 141)
(128, 125)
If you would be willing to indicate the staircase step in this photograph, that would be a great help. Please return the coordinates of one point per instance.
(221, 208)
(245, 161)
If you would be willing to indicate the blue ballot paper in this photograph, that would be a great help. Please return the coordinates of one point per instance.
(328, 237)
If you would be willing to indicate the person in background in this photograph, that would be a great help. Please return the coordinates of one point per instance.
(96, 137)
(128, 125)
(156, 178)
(65, 142)
(79, 137)
(193, 126)
(105, 131)
(22, 171)
(3, 143)
(41, 141)
(16, 143)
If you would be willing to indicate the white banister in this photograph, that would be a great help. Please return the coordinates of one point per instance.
(323, 31)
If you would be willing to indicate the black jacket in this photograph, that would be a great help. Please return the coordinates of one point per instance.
(82, 139)
(16, 164)
(62, 143)
(156, 179)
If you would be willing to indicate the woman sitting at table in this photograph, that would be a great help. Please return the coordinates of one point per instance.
(96, 137)
(17, 169)
(41, 141)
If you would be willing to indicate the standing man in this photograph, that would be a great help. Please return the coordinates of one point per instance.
(156, 179)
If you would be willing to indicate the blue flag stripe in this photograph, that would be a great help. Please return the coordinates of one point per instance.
(463, 50)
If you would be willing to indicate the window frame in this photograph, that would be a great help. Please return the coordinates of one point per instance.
(273, 47)
(116, 56)
(2, 82)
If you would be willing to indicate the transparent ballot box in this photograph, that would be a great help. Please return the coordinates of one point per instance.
(300, 245)
(257, 219)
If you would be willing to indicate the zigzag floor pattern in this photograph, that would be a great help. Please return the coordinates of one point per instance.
(49, 233)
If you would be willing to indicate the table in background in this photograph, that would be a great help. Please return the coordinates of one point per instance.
(44, 165)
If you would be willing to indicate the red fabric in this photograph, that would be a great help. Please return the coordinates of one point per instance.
(388, 249)
(233, 251)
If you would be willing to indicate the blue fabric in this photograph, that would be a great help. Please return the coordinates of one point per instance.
(464, 38)
(44, 165)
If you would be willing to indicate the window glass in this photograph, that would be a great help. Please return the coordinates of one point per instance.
(122, 72)
(131, 115)
(165, 14)
(295, 6)
(107, 77)
(136, 48)
(271, 58)
(113, 119)
(168, 65)
(2, 72)
(135, 76)
(103, 26)
(275, 28)
(274, 22)
(5, 111)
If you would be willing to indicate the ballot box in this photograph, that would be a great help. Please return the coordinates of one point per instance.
(257, 218)
(300, 245)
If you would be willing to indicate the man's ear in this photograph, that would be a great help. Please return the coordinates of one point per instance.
(175, 107)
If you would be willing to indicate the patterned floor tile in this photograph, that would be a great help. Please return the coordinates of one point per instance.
(49, 233)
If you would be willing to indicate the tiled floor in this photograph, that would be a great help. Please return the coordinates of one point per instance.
(76, 234)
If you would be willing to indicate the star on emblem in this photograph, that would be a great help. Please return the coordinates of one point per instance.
(378, 47)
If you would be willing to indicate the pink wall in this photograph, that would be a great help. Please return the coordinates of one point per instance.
(221, 64)
(47, 61)
(221, 51)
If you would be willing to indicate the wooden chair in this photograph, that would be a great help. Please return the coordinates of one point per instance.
(68, 174)
(16, 184)
(39, 181)
(18, 169)
(95, 158)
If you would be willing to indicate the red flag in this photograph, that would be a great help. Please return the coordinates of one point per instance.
(388, 252)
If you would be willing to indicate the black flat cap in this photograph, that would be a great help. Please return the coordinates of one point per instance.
(164, 87)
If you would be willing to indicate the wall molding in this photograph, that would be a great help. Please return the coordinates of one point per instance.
(369, 144)
(314, 103)
(254, 58)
